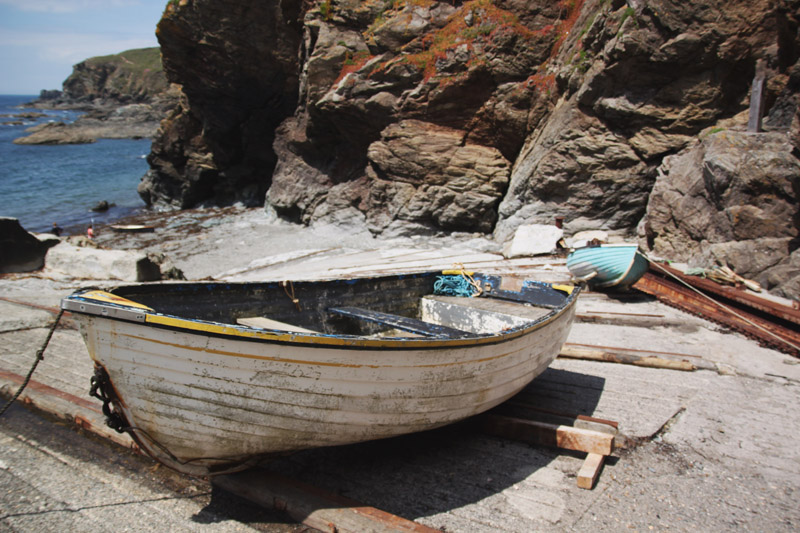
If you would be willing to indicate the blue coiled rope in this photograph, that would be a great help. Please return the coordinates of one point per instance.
(453, 286)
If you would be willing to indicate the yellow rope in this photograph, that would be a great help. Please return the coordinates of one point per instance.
(459, 267)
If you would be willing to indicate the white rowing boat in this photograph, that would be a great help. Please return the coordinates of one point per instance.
(213, 377)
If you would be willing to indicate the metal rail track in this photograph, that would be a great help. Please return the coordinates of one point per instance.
(771, 324)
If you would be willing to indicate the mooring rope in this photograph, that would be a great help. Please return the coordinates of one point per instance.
(39, 357)
(288, 288)
(457, 282)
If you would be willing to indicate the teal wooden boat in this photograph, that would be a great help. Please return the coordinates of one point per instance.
(607, 266)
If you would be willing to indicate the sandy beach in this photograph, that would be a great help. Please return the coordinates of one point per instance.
(713, 449)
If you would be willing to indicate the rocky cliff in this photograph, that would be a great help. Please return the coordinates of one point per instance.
(124, 95)
(133, 76)
(422, 115)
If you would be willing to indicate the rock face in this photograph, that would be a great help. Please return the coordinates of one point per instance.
(70, 261)
(129, 77)
(447, 115)
(237, 65)
(741, 208)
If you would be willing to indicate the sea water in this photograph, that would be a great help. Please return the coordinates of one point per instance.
(45, 184)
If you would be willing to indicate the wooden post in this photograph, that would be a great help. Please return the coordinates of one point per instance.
(757, 98)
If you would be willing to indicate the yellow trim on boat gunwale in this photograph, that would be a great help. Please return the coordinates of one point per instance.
(107, 297)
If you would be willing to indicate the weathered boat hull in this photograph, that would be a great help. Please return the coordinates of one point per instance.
(608, 265)
(205, 397)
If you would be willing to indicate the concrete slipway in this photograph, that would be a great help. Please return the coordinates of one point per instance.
(713, 449)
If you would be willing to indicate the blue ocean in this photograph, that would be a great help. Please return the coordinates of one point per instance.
(40, 185)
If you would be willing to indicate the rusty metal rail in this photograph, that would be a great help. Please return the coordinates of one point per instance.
(771, 323)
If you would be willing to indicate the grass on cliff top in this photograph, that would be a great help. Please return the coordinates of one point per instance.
(139, 60)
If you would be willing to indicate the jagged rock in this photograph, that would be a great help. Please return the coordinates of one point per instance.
(585, 173)
(124, 96)
(22, 251)
(237, 65)
(101, 206)
(55, 133)
(732, 198)
(46, 94)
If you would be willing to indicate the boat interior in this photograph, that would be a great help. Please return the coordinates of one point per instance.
(395, 306)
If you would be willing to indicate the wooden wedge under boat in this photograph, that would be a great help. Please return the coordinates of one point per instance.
(605, 266)
(214, 377)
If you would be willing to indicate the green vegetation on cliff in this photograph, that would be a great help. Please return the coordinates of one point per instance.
(139, 61)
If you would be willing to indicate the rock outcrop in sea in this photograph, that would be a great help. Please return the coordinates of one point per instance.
(123, 96)
(424, 116)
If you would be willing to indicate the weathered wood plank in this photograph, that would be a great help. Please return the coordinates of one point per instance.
(263, 322)
(412, 325)
(312, 506)
(757, 98)
(547, 434)
(650, 361)
(588, 473)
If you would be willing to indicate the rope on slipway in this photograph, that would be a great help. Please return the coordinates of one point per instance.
(39, 357)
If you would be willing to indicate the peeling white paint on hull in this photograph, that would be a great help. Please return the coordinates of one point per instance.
(205, 403)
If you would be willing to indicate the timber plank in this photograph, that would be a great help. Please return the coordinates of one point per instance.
(312, 506)
(412, 325)
(262, 322)
(650, 361)
(588, 473)
(547, 434)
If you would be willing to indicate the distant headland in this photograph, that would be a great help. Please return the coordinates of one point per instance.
(123, 95)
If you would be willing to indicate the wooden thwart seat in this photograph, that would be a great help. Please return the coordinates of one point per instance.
(262, 322)
(403, 323)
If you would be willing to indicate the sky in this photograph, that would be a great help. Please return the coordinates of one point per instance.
(40, 40)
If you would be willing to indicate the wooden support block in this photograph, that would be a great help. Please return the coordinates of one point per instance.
(312, 506)
(543, 433)
(588, 473)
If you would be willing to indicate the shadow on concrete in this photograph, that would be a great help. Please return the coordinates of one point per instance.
(437, 471)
